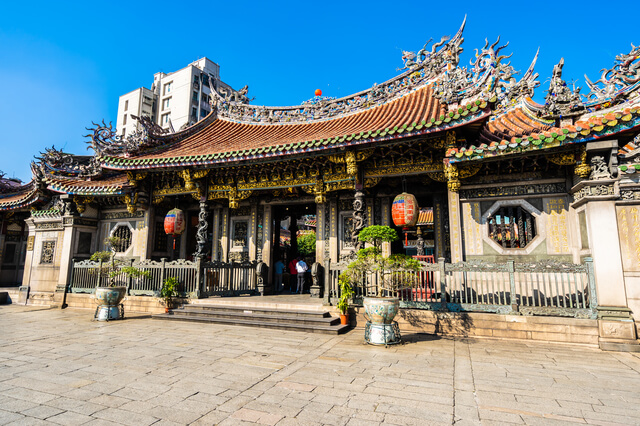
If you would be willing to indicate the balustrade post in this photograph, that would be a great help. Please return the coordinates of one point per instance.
(591, 277)
(443, 283)
(511, 268)
(326, 301)
(162, 271)
(99, 283)
(199, 276)
(129, 278)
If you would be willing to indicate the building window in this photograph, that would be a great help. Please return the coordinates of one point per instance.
(84, 243)
(512, 226)
(126, 105)
(194, 98)
(205, 80)
(124, 132)
(205, 98)
(167, 88)
(165, 118)
(48, 252)
(194, 114)
(124, 119)
(123, 233)
(166, 103)
(203, 112)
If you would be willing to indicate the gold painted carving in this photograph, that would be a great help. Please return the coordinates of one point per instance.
(371, 182)
(133, 177)
(562, 159)
(189, 176)
(276, 184)
(158, 200)
(450, 139)
(452, 175)
(469, 171)
(81, 203)
(583, 170)
(351, 159)
(130, 202)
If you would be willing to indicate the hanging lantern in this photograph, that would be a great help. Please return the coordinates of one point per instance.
(318, 92)
(174, 224)
(404, 210)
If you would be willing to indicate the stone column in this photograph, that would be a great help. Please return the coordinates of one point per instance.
(386, 221)
(334, 246)
(215, 241)
(320, 228)
(224, 238)
(252, 237)
(268, 236)
(455, 230)
(28, 261)
(615, 323)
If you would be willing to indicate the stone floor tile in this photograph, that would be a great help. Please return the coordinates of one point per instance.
(69, 418)
(124, 417)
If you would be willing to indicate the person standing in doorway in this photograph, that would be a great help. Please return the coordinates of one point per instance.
(278, 269)
(293, 271)
(301, 268)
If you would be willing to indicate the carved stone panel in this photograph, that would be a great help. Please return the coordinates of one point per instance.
(472, 225)
(557, 232)
(629, 233)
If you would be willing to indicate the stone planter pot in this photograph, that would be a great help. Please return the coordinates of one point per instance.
(380, 310)
(109, 300)
(380, 328)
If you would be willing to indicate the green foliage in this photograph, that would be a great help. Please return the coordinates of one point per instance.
(377, 234)
(307, 244)
(98, 256)
(113, 268)
(169, 290)
(392, 271)
(346, 293)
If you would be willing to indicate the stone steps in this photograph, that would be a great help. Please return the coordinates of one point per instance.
(254, 316)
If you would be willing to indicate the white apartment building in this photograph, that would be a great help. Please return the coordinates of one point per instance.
(175, 100)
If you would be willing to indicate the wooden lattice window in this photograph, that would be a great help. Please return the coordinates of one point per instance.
(512, 226)
(123, 232)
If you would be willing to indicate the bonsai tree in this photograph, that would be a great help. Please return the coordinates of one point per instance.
(392, 270)
(169, 290)
(110, 268)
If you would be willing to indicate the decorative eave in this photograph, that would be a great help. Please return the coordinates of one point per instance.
(21, 199)
(115, 185)
(531, 137)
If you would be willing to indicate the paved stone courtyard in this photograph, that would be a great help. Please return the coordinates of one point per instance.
(59, 367)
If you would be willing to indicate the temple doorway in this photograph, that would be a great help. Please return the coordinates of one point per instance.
(294, 236)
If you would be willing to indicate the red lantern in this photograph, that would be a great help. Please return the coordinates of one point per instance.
(174, 224)
(318, 92)
(404, 210)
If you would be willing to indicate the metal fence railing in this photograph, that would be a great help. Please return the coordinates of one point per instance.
(197, 279)
(543, 288)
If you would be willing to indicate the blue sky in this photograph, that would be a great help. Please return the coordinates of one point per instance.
(64, 64)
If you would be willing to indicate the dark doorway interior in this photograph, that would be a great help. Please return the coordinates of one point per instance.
(294, 235)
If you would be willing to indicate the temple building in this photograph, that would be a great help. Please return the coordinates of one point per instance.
(497, 176)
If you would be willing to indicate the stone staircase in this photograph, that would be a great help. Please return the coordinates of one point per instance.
(268, 316)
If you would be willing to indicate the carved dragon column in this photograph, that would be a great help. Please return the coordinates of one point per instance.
(201, 234)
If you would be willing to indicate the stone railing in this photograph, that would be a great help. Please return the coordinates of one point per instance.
(545, 288)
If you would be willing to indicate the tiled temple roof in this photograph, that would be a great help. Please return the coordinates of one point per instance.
(517, 130)
(113, 185)
(224, 141)
(18, 198)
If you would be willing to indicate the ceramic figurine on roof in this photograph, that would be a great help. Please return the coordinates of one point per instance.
(560, 99)
(617, 80)
(59, 162)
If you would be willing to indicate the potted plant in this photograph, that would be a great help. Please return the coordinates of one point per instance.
(383, 277)
(346, 293)
(168, 291)
(109, 297)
